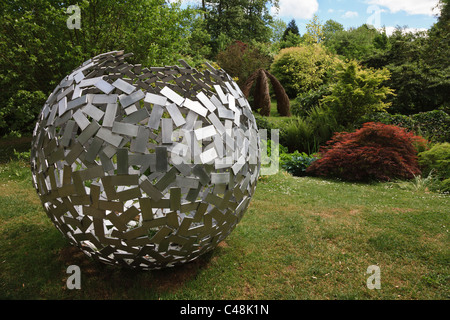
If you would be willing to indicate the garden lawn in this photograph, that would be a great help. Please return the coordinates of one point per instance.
(301, 238)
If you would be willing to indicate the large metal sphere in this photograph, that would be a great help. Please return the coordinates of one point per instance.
(145, 167)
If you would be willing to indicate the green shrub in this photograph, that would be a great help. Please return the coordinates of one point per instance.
(445, 186)
(298, 135)
(296, 163)
(303, 134)
(437, 159)
(308, 100)
(356, 92)
(263, 123)
(432, 125)
(19, 113)
(399, 120)
(300, 69)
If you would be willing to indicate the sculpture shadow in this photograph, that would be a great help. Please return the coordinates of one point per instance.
(101, 281)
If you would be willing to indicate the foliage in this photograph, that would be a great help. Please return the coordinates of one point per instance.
(330, 28)
(307, 134)
(314, 31)
(291, 40)
(296, 163)
(419, 66)
(308, 100)
(301, 69)
(38, 50)
(432, 125)
(374, 152)
(240, 60)
(292, 28)
(278, 27)
(355, 43)
(267, 145)
(243, 20)
(19, 112)
(436, 160)
(356, 92)
(263, 123)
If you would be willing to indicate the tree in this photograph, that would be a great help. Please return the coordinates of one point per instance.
(261, 93)
(292, 28)
(331, 27)
(278, 28)
(240, 60)
(314, 31)
(291, 40)
(38, 50)
(243, 20)
(356, 43)
(356, 92)
(419, 66)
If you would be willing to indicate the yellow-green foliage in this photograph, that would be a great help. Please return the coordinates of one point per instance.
(437, 159)
(300, 69)
(357, 91)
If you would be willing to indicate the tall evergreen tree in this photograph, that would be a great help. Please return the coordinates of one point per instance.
(291, 28)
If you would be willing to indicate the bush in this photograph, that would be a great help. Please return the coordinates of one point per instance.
(445, 186)
(374, 152)
(432, 125)
(298, 135)
(300, 69)
(19, 113)
(303, 134)
(296, 163)
(356, 92)
(436, 160)
(309, 100)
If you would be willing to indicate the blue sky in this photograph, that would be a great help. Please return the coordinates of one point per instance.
(413, 14)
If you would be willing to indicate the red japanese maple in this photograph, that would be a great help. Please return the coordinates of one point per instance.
(374, 152)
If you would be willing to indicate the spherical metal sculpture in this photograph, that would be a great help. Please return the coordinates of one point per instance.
(145, 167)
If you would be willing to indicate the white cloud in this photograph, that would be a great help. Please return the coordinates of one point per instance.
(350, 14)
(390, 30)
(295, 9)
(409, 6)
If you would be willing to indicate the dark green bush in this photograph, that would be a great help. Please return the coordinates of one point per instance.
(19, 113)
(386, 118)
(432, 125)
(308, 100)
(307, 134)
(296, 163)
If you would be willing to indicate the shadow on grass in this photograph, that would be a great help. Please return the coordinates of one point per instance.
(101, 281)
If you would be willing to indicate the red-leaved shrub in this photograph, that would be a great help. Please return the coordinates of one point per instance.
(374, 152)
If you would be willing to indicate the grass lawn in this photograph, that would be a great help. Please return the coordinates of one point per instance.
(301, 238)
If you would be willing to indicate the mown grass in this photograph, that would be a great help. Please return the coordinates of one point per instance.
(301, 238)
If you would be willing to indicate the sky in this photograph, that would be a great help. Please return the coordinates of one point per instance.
(411, 14)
